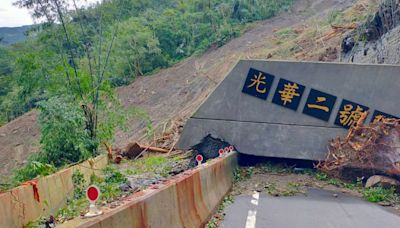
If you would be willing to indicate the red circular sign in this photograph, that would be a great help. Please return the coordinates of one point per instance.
(199, 158)
(231, 147)
(93, 193)
(226, 149)
(221, 152)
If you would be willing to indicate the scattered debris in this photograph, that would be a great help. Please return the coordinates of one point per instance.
(337, 30)
(330, 55)
(132, 150)
(279, 180)
(118, 159)
(109, 151)
(155, 149)
(366, 151)
(50, 222)
(135, 150)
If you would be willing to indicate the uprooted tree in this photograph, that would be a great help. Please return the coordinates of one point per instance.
(366, 150)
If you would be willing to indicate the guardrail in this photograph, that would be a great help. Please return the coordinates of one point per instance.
(187, 200)
(24, 204)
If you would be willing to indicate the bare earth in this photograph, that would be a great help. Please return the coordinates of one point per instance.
(176, 92)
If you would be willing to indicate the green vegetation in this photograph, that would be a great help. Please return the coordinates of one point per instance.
(243, 173)
(215, 221)
(32, 170)
(379, 194)
(285, 34)
(79, 184)
(154, 165)
(109, 183)
(291, 189)
(68, 66)
(335, 17)
(146, 35)
(64, 139)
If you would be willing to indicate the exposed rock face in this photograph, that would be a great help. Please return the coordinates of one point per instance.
(348, 44)
(378, 40)
(387, 18)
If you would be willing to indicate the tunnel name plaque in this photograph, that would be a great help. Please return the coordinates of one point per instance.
(293, 109)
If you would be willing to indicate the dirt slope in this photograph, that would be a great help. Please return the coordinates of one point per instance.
(178, 91)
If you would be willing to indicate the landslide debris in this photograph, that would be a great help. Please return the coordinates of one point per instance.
(367, 150)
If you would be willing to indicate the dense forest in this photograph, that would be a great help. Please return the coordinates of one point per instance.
(71, 61)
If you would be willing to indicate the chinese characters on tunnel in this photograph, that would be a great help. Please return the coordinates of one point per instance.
(378, 116)
(258, 84)
(318, 104)
(349, 113)
(288, 94)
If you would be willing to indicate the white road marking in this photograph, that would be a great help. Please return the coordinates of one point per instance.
(256, 196)
(251, 219)
(252, 214)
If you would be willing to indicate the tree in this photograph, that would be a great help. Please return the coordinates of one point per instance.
(138, 46)
(83, 58)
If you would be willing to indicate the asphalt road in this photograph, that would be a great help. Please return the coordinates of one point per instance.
(319, 209)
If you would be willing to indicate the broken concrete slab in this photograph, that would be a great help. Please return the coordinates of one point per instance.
(253, 109)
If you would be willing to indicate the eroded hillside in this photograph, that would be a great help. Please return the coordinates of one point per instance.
(303, 33)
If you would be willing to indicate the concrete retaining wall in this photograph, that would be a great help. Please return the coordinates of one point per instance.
(188, 200)
(18, 206)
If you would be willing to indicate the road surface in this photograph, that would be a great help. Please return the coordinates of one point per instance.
(319, 209)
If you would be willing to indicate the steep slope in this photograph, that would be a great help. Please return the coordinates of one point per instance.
(177, 92)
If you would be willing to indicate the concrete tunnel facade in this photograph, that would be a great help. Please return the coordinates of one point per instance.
(291, 109)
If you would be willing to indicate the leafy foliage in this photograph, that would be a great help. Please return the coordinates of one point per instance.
(64, 138)
(79, 184)
(110, 183)
(378, 194)
(157, 165)
(32, 170)
(64, 69)
(146, 35)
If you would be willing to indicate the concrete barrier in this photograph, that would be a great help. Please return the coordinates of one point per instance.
(188, 200)
(18, 206)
